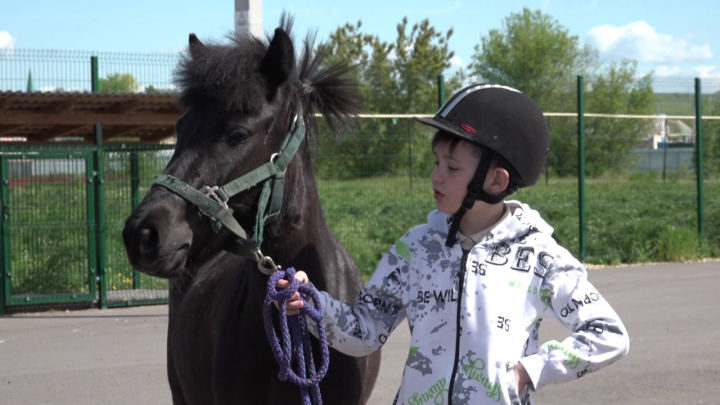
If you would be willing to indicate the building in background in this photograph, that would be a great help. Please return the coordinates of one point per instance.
(668, 131)
(248, 17)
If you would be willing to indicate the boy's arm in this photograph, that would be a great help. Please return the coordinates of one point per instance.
(364, 327)
(599, 338)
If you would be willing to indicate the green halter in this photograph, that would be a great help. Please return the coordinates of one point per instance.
(212, 201)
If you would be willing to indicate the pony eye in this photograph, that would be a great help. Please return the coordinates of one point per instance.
(238, 136)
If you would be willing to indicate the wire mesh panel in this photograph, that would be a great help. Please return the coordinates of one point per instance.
(69, 71)
(711, 165)
(128, 177)
(44, 70)
(48, 207)
(375, 186)
(136, 72)
(555, 195)
(640, 196)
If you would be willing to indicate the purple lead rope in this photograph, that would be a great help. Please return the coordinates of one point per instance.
(295, 349)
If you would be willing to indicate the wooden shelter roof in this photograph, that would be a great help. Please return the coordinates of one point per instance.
(44, 117)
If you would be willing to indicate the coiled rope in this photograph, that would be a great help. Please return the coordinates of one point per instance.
(294, 353)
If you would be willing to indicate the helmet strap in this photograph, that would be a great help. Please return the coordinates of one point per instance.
(475, 192)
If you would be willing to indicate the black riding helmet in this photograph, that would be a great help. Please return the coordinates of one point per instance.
(504, 122)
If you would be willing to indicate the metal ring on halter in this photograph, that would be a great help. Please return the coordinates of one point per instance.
(273, 157)
(267, 266)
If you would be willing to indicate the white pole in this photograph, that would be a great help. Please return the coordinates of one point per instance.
(248, 17)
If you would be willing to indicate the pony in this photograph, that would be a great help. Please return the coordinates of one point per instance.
(240, 100)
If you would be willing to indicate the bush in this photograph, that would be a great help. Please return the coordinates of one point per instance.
(677, 245)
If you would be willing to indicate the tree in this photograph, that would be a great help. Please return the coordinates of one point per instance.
(152, 89)
(349, 46)
(119, 83)
(609, 140)
(535, 54)
(396, 77)
(421, 55)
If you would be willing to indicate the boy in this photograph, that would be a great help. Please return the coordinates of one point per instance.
(476, 281)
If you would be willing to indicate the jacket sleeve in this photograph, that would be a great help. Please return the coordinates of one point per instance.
(599, 338)
(364, 327)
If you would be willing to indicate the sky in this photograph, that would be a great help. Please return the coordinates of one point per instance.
(672, 39)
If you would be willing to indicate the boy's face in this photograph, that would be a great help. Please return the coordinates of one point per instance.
(453, 171)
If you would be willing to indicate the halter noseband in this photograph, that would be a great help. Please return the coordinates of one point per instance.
(213, 201)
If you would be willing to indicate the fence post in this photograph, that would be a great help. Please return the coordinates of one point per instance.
(135, 200)
(581, 165)
(665, 148)
(441, 91)
(99, 187)
(410, 157)
(95, 75)
(699, 158)
(99, 171)
(4, 234)
(547, 158)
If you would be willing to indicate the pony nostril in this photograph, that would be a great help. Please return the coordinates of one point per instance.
(148, 241)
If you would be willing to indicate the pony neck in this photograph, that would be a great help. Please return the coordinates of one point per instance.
(300, 237)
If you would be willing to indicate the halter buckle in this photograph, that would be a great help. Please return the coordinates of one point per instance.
(210, 193)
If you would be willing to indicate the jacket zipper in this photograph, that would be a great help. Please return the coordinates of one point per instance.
(458, 332)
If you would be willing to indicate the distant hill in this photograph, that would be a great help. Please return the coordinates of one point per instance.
(682, 103)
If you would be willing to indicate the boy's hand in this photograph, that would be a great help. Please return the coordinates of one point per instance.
(522, 379)
(293, 304)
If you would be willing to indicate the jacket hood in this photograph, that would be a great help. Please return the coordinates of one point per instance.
(522, 220)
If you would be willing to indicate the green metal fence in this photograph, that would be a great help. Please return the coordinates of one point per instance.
(637, 205)
(60, 242)
(129, 173)
(55, 70)
(48, 249)
(626, 206)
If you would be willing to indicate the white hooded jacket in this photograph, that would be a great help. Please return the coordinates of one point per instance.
(474, 314)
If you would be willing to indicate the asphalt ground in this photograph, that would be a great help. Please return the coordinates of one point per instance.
(117, 356)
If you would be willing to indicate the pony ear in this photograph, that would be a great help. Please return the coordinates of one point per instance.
(279, 61)
(195, 46)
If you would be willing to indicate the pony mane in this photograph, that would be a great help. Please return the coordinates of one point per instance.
(225, 78)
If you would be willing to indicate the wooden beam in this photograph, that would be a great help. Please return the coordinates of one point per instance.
(59, 107)
(120, 131)
(57, 131)
(32, 142)
(91, 97)
(160, 135)
(8, 128)
(88, 119)
(4, 104)
(123, 107)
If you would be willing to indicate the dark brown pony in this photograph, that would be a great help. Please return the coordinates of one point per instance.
(241, 100)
